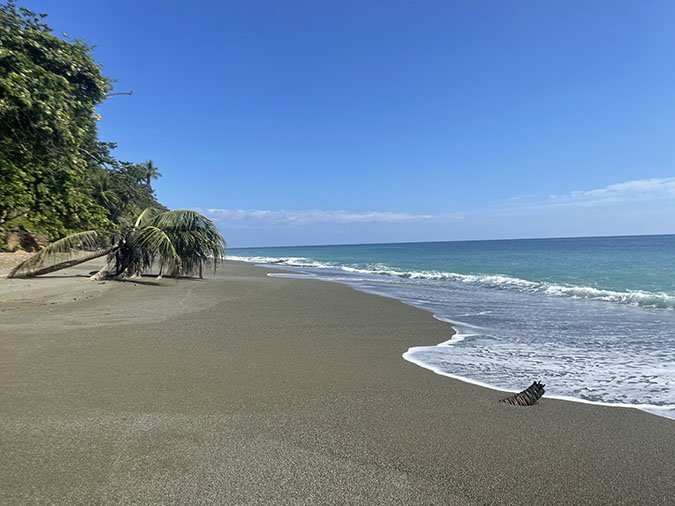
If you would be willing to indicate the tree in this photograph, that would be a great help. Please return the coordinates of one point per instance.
(123, 189)
(178, 242)
(48, 90)
(131, 182)
(56, 176)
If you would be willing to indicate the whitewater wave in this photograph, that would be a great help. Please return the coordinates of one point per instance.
(289, 261)
(639, 298)
(665, 410)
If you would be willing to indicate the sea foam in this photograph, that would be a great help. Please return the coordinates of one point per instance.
(587, 343)
(640, 298)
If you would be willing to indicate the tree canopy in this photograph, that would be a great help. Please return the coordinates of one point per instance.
(177, 242)
(56, 176)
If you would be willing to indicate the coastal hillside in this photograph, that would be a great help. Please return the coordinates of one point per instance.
(56, 175)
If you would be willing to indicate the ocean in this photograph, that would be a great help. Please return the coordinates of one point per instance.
(592, 318)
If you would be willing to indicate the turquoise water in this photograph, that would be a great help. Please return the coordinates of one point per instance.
(594, 318)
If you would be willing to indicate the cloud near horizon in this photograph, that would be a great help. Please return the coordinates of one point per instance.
(311, 216)
(652, 189)
(638, 189)
(630, 207)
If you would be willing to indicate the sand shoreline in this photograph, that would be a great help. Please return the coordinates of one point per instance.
(299, 275)
(249, 389)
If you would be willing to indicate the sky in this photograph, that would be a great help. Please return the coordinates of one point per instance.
(353, 121)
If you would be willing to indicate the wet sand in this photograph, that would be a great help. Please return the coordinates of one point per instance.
(246, 389)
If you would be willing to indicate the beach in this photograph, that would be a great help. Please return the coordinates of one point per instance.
(249, 389)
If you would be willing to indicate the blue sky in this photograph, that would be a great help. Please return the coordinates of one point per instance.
(323, 122)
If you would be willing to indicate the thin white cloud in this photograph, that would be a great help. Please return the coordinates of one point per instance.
(309, 216)
(627, 192)
(639, 189)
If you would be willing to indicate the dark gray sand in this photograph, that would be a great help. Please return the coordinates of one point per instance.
(246, 389)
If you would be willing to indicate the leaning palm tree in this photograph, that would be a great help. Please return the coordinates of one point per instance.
(178, 242)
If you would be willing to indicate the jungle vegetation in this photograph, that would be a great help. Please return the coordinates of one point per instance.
(59, 183)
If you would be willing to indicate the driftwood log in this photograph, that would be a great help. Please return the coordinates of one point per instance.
(527, 397)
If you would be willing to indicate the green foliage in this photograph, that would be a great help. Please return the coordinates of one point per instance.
(64, 249)
(195, 238)
(56, 177)
(48, 90)
(178, 242)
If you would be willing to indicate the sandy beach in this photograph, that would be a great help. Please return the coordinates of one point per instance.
(246, 389)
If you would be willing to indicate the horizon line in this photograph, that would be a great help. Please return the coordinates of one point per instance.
(456, 240)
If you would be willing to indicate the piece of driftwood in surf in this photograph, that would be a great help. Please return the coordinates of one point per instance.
(527, 397)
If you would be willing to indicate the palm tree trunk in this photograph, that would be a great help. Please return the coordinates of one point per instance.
(103, 273)
(16, 272)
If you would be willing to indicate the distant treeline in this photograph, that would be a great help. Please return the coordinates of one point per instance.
(56, 176)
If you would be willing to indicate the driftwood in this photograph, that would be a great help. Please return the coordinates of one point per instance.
(527, 397)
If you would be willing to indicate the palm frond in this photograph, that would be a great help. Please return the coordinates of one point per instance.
(147, 217)
(147, 246)
(196, 239)
(179, 241)
(181, 219)
(89, 240)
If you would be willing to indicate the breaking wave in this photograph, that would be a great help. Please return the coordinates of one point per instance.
(497, 281)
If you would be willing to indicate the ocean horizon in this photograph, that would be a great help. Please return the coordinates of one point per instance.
(379, 243)
(592, 317)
